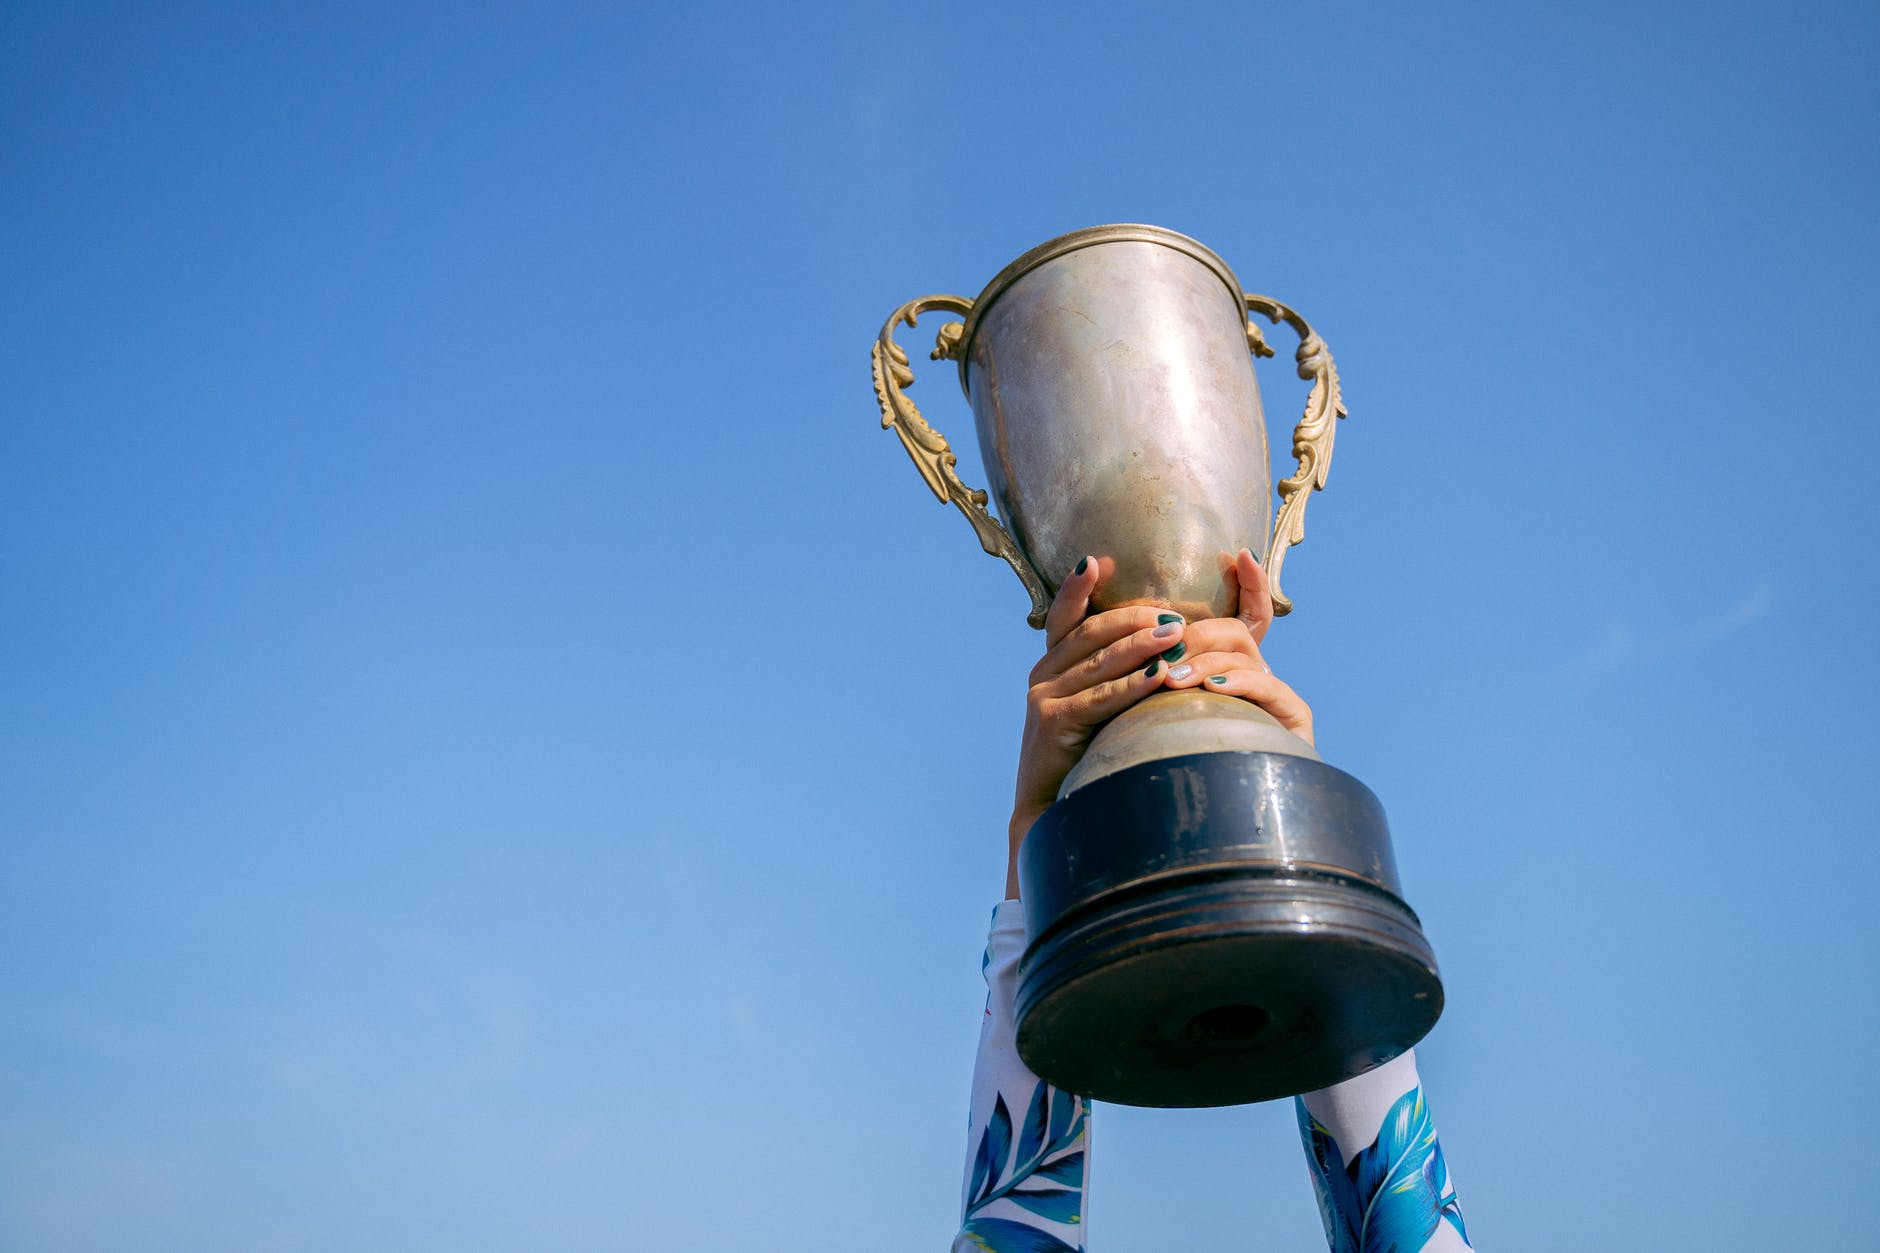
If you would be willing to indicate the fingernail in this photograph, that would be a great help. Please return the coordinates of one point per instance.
(1255, 556)
(1151, 667)
(1181, 672)
(1082, 565)
(1167, 630)
(1176, 653)
(1166, 618)
(1219, 680)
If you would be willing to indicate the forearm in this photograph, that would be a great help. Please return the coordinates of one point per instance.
(1377, 1166)
(1027, 1142)
(1014, 836)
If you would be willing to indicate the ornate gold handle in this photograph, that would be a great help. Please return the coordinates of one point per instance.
(1312, 438)
(928, 447)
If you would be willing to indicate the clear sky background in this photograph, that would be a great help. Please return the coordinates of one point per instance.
(498, 750)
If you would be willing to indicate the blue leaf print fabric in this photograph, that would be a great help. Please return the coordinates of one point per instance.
(1390, 1197)
(1042, 1172)
(1027, 1141)
(1002, 1235)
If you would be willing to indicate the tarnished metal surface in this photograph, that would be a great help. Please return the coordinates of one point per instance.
(1118, 414)
(1217, 928)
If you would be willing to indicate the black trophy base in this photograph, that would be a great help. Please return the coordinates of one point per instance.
(1216, 929)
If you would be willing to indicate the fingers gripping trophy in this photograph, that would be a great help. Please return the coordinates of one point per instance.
(1213, 914)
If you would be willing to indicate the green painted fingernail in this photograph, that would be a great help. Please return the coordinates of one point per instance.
(1218, 679)
(1151, 667)
(1082, 565)
(1163, 619)
(1176, 653)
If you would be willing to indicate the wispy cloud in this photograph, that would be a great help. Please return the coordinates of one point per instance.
(741, 1012)
(1756, 603)
(1618, 643)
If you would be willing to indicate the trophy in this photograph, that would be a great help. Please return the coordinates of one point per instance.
(1212, 913)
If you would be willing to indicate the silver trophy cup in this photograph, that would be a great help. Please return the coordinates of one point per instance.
(1213, 914)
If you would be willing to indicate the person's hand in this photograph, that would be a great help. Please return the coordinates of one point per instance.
(1223, 654)
(1093, 668)
(1096, 667)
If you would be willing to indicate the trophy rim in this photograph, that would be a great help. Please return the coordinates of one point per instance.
(1051, 249)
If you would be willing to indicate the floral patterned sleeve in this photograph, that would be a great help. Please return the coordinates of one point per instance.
(1393, 1193)
(1027, 1143)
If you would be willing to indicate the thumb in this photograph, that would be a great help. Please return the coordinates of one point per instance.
(1256, 602)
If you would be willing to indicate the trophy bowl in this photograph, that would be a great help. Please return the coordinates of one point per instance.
(1213, 914)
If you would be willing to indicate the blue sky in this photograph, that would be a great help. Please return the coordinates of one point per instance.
(501, 752)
